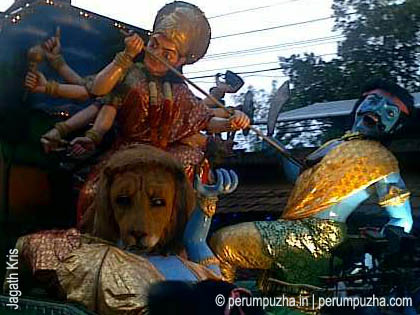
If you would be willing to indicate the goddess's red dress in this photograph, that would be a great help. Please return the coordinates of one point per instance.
(136, 118)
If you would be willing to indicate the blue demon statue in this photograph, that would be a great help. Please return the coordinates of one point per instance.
(334, 181)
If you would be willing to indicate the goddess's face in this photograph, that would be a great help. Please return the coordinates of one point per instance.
(165, 48)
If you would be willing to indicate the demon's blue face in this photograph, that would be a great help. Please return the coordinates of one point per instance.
(378, 114)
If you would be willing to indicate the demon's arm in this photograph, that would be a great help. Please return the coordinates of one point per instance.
(395, 199)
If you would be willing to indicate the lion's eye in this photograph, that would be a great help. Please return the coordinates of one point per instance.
(157, 202)
(123, 200)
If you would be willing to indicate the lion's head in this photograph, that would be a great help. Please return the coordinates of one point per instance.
(143, 200)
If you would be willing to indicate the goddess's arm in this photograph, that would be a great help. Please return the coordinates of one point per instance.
(108, 78)
(237, 121)
(93, 137)
(67, 73)
(37, 83)
(53, 138)
(103, 123)
(52, 49)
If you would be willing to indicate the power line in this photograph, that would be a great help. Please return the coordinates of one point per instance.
(265, 76)
(251, 9)
(233, 67)
(280, 26)
(249, 65)
(206, 82)
(311, 42)
(274, 47)
(255, 71)
(211, 76)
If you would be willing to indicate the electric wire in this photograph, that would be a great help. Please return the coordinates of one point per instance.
(211, 76)
(280, 26)
(251, 9)
(234, 67)
(298, 44)
(251, 72)
(249, 65)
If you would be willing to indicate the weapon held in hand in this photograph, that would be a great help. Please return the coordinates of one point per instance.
(271, 141)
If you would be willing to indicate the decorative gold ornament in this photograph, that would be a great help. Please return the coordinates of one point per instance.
(395, 197)
(57, 62)
(123, 60)
(51, 88)
(207, 204)
(94, 135)
(63, 129)
(186, 25)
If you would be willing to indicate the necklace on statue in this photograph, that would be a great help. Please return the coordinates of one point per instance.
(161, 117)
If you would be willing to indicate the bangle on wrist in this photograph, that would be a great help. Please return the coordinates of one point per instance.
(57, 62)
(207, 204)
(94, 135)
(62, 128)
(123, 60)
(51, 88)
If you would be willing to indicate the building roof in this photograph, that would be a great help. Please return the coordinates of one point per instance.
(329, 109)
(256, 198)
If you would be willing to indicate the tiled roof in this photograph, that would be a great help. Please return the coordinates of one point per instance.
(255, 197)
(329, 109)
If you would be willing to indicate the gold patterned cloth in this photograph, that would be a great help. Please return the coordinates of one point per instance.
(315, 236)
(301, 249)
(239, 245)
(102, 277)
(350, 167)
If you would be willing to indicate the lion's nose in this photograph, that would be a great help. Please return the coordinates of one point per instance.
(138, 234)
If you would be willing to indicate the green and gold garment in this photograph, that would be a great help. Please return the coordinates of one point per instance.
(301, 249)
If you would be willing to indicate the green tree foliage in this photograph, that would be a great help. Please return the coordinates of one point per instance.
(381, 40)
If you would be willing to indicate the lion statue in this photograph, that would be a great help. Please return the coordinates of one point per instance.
(141, 177)
(131, 239)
